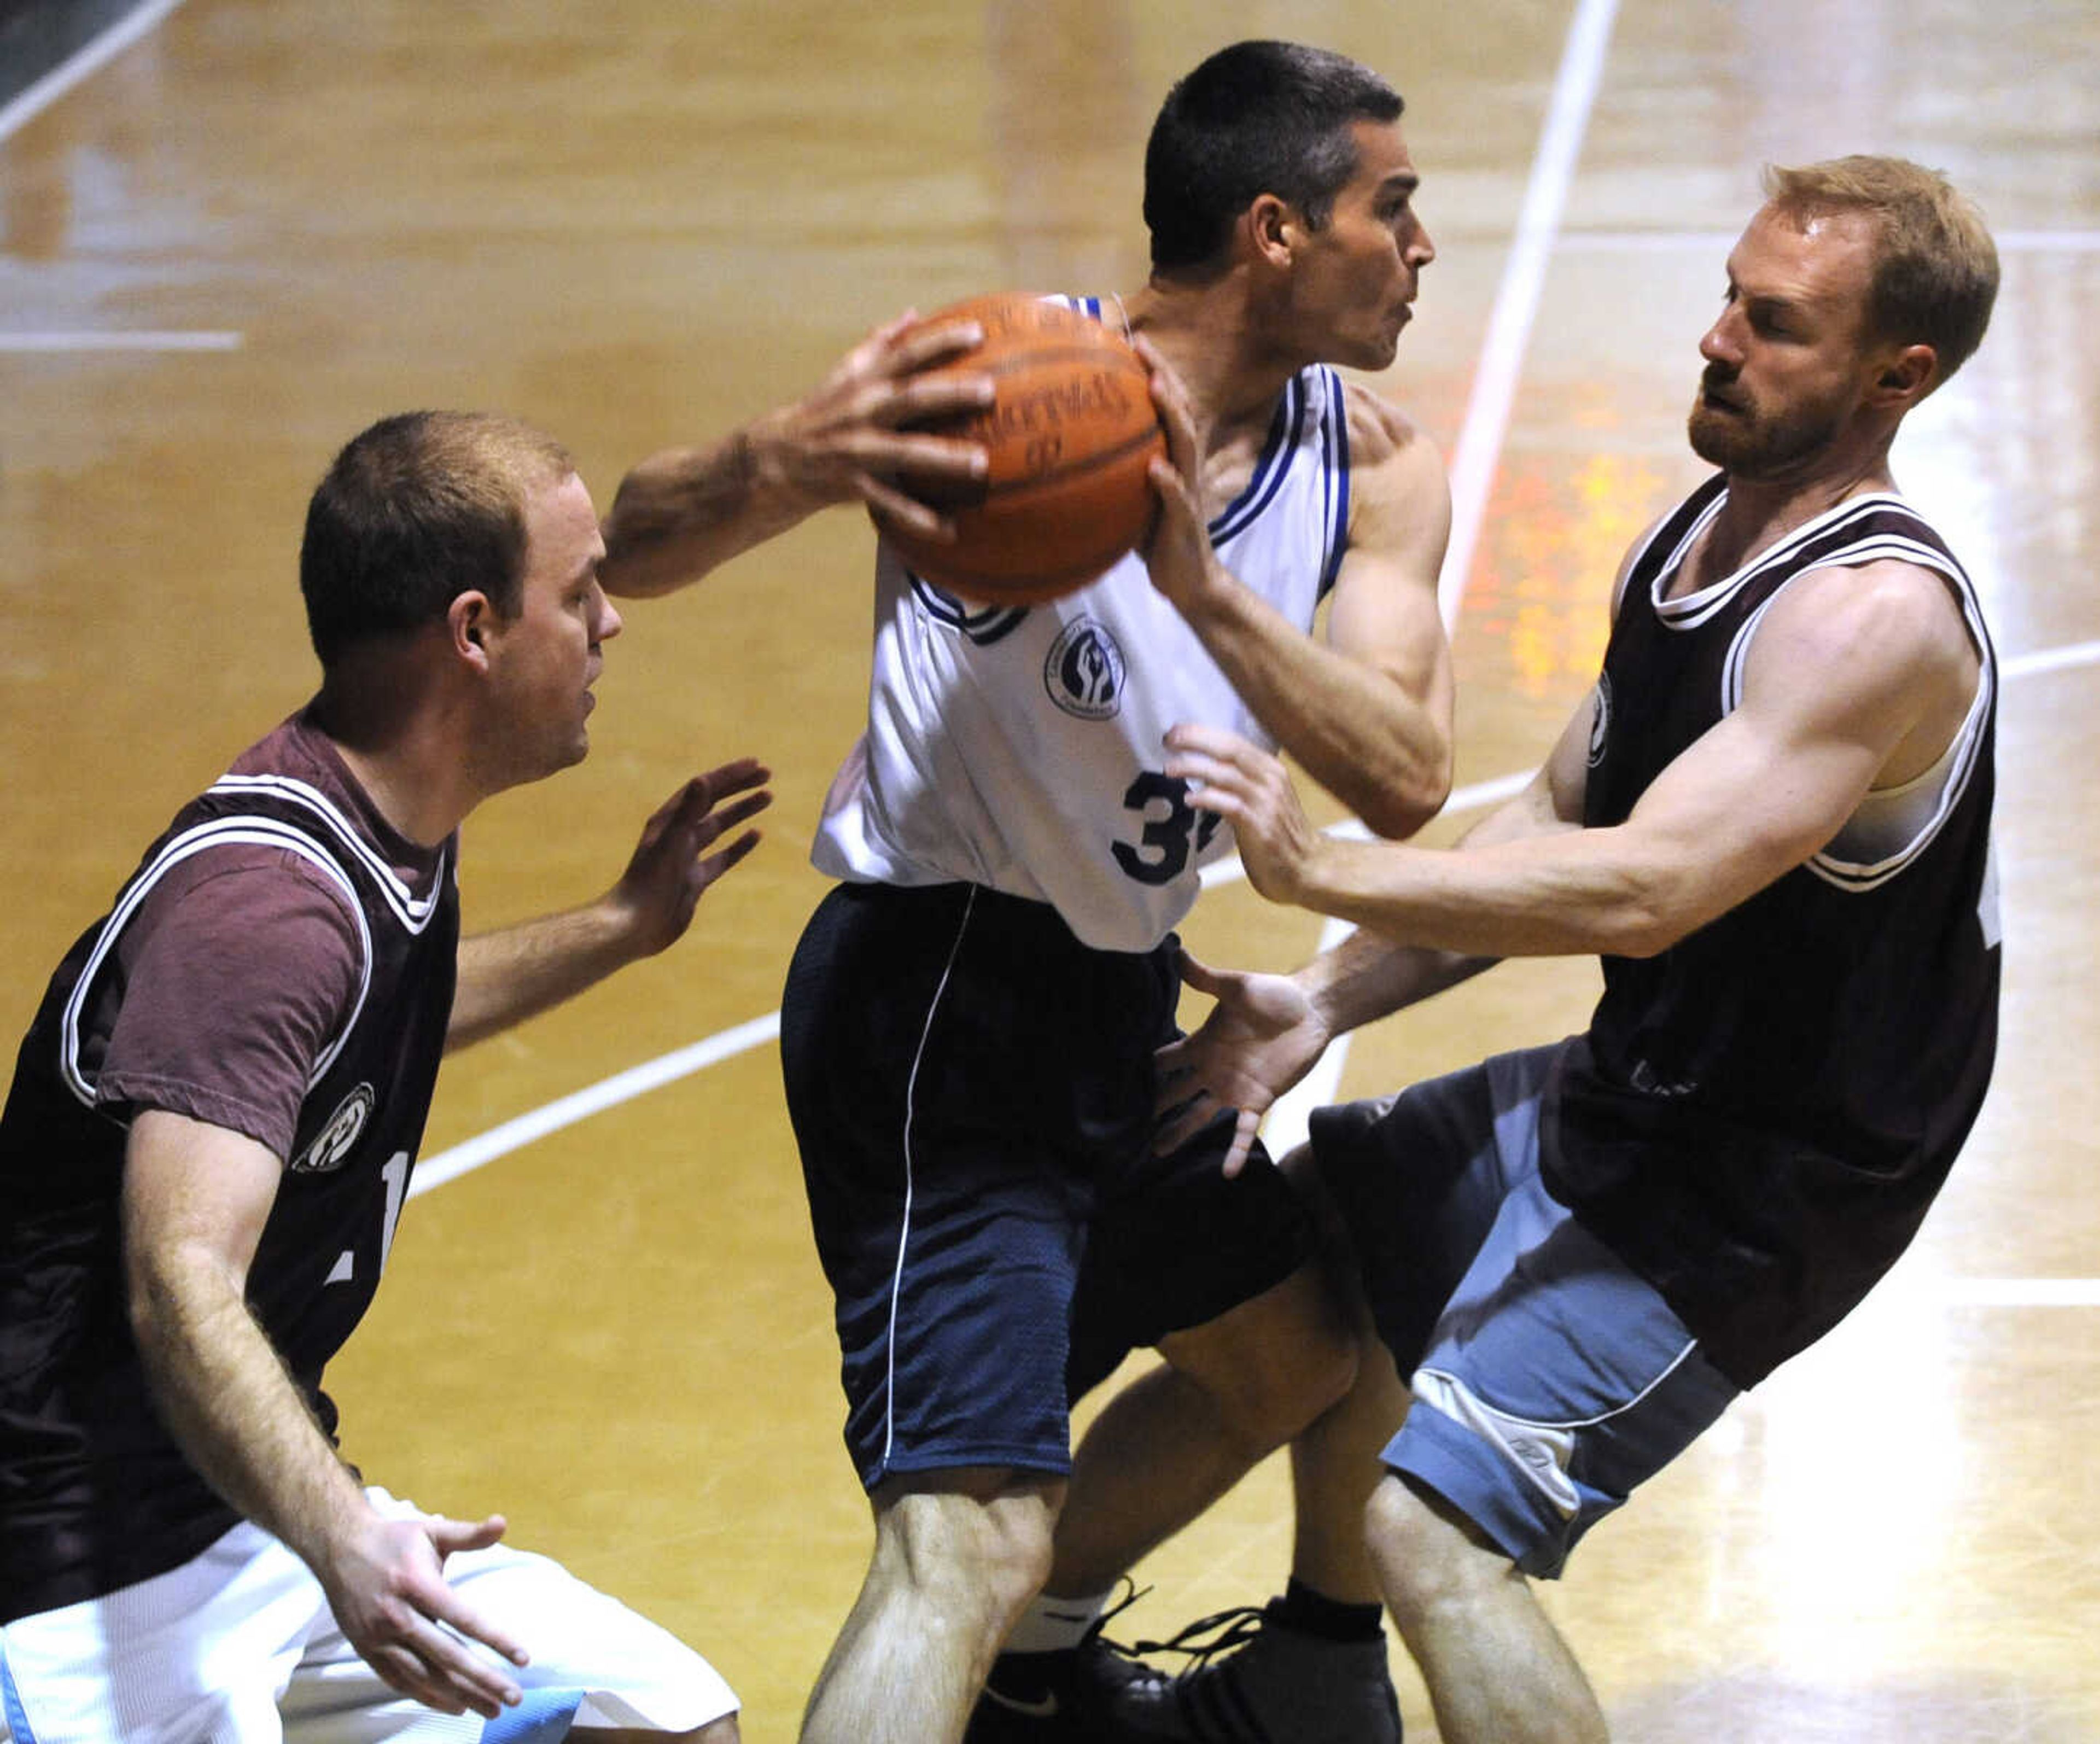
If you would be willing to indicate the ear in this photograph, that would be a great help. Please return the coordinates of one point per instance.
(1272, 229)
(468, 619)
(1907, 376)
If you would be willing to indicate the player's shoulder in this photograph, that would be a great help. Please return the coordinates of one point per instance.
(246, 889)
(1393, 462)
(1889, 614)
(1380, 431)
(1397, 484)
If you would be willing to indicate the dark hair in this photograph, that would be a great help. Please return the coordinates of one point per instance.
(1935, 267)
(1256, 118)
(415, 512)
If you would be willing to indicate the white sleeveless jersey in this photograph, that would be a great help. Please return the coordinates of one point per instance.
(1023, 748)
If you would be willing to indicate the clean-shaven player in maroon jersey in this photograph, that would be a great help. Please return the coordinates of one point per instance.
(208, 1137)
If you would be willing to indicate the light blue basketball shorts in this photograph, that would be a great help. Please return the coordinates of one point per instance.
(1548, 1379)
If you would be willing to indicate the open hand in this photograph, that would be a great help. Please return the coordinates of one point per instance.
(387, 1585)
(1251, 791)
(1260, 1038)
(677, 859)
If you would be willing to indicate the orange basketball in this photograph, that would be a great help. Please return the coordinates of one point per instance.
(1071, 434)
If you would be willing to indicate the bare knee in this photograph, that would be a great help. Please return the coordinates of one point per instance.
(1430, 1558)
(1273, 1364)
(980, 1544)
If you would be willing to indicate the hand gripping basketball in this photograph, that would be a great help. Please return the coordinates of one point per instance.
(1071, 435)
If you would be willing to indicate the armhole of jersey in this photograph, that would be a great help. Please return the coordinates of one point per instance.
(259, 832)
(1956, 765)
(1334, 463)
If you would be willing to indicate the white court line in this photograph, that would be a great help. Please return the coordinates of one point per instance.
(142, 339)
(90, 58)
(2050, 659)
(1516, 301)
(622, 1087)
(1486, 426)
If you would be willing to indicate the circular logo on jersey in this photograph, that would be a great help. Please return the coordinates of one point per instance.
(332, 1143)
(1600, 720)
(1084, 671)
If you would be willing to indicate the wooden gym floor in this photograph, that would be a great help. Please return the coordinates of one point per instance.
(263, 223)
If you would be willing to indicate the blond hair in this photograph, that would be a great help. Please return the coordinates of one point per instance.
(1935, 268)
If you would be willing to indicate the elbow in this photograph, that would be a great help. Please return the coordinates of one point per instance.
(1641, 936)
(1637, 907)
(640, 561)
(636, 569)
(1648, 924)
(147, 1305)
(1398, 809)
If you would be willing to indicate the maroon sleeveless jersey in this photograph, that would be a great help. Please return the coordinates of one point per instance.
(93, 1493)
(1757, 1118)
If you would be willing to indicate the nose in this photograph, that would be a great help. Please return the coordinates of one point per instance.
(607, 616)
(1721, 343)
(1420, 249)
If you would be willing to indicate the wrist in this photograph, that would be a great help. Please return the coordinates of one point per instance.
(1331, 985)
(616, 931)
(326, 1528)
(763, 457)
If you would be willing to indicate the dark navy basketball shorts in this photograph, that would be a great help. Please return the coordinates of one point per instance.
(1548, 1379)
(972, 1091)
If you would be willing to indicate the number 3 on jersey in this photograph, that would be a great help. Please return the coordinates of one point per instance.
(1173, 830)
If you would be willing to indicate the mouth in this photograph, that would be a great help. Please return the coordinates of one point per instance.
(1712, 397)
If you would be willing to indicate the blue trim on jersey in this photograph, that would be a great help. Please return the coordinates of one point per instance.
(1274, 464)
(11, 1698)
(1336, 479)
(544, 1717)
(987, 625)
(1270, 471)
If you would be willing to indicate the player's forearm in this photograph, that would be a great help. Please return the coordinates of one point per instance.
(231, 1405)
(518, 972)
(1357, 732)
(1573, 892)
(683, 512)
(1368, 976)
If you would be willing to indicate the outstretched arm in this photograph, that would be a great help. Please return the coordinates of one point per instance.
(685, 511)
(1856, 676)
(516, 972)
(195, 1198)
(1367, 712)
(1266, 1031)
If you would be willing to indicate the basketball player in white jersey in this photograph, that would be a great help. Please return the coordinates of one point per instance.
(1771, 818)
(968, 1026)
